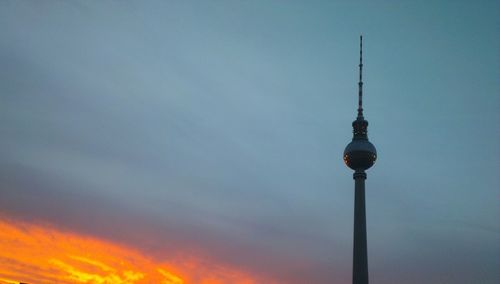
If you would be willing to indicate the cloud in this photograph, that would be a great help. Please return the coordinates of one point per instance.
(43, 254)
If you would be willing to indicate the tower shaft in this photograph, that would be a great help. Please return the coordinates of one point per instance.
(360, 254)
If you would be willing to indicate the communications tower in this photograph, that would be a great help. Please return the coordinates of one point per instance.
(360, 155)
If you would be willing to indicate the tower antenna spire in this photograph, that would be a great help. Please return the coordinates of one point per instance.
(360, 84)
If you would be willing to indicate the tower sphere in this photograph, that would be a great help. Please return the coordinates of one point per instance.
(360, 154)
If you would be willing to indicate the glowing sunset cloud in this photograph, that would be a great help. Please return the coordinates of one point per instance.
(42, 255)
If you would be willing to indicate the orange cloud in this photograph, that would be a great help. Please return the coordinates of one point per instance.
(40, 254)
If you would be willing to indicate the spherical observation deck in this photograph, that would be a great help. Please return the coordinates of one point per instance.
(360, 154)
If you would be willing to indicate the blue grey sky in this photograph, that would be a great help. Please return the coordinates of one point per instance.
(220, 125)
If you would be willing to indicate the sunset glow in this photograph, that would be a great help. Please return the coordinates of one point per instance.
(41, 254)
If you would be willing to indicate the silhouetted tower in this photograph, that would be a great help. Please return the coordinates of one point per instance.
(360, 155)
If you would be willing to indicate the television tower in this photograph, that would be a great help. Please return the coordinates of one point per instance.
(360, 155)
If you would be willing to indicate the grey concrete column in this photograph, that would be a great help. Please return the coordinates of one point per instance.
(360, 254)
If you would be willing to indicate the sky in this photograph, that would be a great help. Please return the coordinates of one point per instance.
(204, 139)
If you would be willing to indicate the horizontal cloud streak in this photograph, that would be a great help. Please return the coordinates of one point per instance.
(42, 254)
